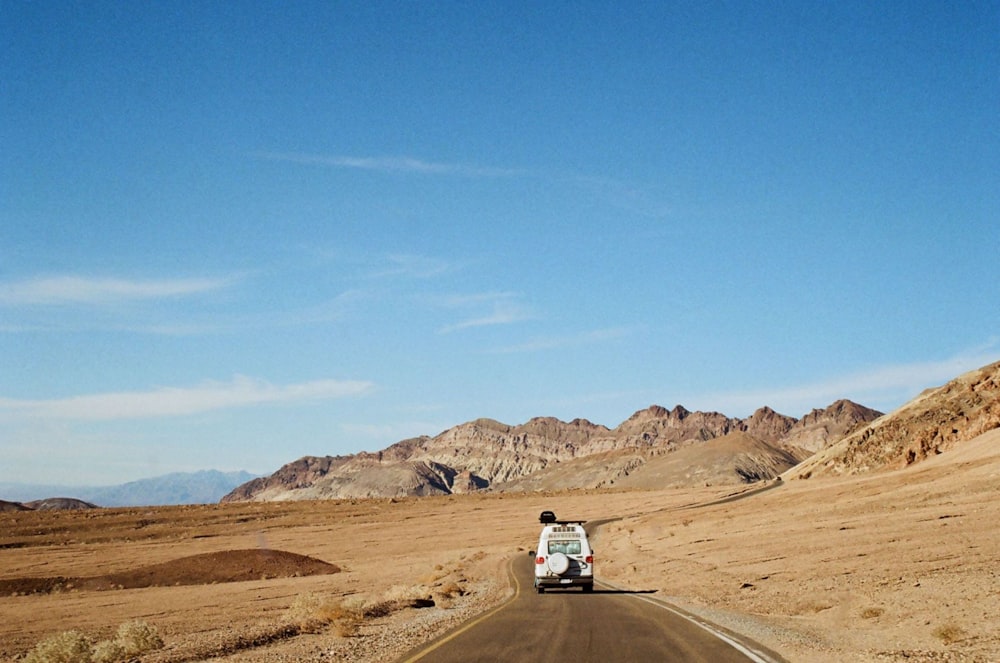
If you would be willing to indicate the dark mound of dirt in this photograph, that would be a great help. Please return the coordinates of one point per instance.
(205, 569)
(226, 566)
(15, 586)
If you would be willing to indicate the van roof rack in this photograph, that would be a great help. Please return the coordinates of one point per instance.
(549, 518)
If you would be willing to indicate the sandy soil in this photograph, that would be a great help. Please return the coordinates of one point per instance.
(898, 566)
(888, 567)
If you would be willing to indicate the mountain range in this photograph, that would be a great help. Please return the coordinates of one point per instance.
(203, 487)
(655, 447)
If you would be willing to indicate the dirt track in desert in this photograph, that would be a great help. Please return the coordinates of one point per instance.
(891, 566)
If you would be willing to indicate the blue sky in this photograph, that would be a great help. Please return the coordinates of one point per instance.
(233, 234)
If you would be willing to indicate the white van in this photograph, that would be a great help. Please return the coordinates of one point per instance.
(564, 557)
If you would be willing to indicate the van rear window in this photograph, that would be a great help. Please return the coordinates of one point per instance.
(564, 547)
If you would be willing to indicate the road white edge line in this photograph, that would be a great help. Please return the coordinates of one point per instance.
(752, 654)
(462, 628)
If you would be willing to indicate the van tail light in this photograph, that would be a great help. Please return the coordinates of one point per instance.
(540, 560)
(590, 559)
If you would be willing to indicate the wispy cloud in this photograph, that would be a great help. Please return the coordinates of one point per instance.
(882, 387)
(501, 308)
(500, 316)
(411, 266)
(70, 289)
(463, 300)
(330, 310)
(570, 340)
(391, 164)
(239, 392)
(623, 195)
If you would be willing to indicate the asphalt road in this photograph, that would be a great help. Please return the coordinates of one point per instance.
(567, 625)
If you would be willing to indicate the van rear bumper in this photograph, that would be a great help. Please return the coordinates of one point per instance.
(556, 581)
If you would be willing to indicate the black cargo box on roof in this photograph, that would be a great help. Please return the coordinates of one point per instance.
(549, 518)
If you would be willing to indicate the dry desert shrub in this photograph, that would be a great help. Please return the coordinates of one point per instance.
(451, 590)
(949, 633)
(137, 637)
(132, 639)
(65, 647)
(108, 651)
(445, 572)
(396, 598)
(871, 613)
(445, 594)
(311, 612)
(437, 574)
(404, 593)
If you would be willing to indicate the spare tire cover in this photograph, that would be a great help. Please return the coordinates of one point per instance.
(558, 563)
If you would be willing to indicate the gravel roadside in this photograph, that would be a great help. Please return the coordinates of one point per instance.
(375, 640)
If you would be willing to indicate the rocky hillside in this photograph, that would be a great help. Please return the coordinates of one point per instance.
(13, 506)
(59, 504)
(930, 424)
(50, 504)
(818, 429)
(546, 453)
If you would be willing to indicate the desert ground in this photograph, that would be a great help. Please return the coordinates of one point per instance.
(889, 566)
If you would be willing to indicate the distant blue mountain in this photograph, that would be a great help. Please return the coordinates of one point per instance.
(204, 487)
